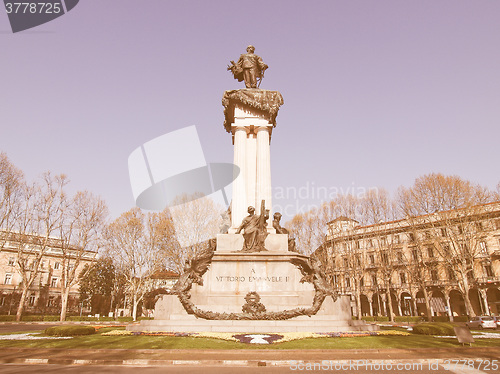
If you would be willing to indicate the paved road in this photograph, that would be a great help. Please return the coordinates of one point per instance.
(41, 369)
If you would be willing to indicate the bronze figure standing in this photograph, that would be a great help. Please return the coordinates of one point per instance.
(249, 68)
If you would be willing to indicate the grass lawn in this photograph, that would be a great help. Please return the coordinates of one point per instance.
(98, 341)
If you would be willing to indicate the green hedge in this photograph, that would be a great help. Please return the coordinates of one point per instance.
(69, 330)
(32, 318)
(54, 318)
(7, 318)
(82, 318)
(375, 319)
(412, 319)
(434, 328)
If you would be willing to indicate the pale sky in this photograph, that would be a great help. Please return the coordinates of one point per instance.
(376, 93)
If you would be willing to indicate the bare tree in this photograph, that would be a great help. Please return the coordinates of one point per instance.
(379, 207)
(41, 218)
(80, 231)
(196, 219)
(132, 243)
(12, 186)
(448, 208)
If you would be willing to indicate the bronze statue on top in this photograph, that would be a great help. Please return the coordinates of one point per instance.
(255, 229)
(249, 68)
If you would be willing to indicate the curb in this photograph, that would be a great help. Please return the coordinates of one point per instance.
(238, 363)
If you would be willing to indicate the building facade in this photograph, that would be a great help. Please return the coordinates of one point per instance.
(44, 295)
(444, 264)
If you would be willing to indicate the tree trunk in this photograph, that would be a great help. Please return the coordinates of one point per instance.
(465, 293)
(20, 307)
(134, 308)
(64, 303)
(111, 304)
(389, 300)
(468, 304)
(358, 302)
(427, 304)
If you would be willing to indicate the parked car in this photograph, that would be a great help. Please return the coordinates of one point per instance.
(497, 320)
(482, 322)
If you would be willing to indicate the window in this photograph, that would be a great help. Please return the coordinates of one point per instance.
(346, 263)
(385, 258)
(460, 229)
(348, 282)
(32, 299)
(400, 257)
(411, 237)
(57, 265)
(374, 280)
(483, 248)
(497, 224)
(488, 271)
(443, 231)
(51, 301)
(402, 277)
(369, 243)
(53, 282)
(372, 259)
(362, 281)
(8, 278)
(451, 274)
(434, 275)
(397, 240)
(357, 244)
(11, 261)
(2, 301)
(414, 253)
(430, 252)
(383, 240)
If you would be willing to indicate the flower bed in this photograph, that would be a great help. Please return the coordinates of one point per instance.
(259, 338)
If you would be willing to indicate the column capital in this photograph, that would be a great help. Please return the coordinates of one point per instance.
(263, 128)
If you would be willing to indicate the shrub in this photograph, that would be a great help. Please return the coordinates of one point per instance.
(413, 319)
(434, 328)
(32, 318)
(69, 330)
(106, 319)
(51, 318)
(124, 319)
(441, 319)
(375, 318)
(82, 318)
(461, 319)
(7, 318)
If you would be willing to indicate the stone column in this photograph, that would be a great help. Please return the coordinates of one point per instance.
(251, 171)
(239, 204)
(371, 307)
(263, 187)
(384, 305)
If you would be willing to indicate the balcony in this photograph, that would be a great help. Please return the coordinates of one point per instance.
(488, 280)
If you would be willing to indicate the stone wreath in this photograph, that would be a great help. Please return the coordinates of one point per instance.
(198, 265)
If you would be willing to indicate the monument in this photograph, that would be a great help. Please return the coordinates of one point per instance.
(250, 278)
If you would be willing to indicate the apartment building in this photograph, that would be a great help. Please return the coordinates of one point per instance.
(446, 263)
(44, 293)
